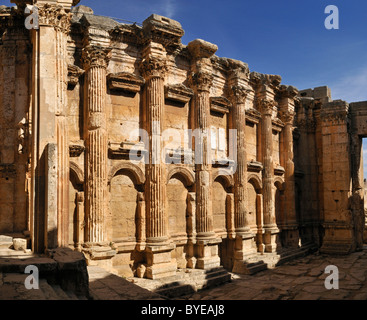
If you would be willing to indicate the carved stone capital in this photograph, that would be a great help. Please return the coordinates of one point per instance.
(153, 67)
(55, 16)
(266, 106)
(286, 116)
(94, 56)
(74, 73)
(239, 94)
(201, 80)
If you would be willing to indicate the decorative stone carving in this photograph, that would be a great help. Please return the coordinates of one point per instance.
(54, 15)
(96, 56)
(178, 92)
(220, 105)
(153, 67)
(124, 81)
(74, 73)
(76, 150)
(201, 80)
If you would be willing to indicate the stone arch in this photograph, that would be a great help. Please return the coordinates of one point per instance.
(179, 184)
(77, 171)
(222, 185)
(139, 176)
(187, 175)
(226, 179)
(255, 180)
(125, 182)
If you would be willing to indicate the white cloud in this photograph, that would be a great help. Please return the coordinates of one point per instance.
(169, 8)
(352, 87)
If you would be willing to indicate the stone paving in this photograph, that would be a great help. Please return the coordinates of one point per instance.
(301, 279)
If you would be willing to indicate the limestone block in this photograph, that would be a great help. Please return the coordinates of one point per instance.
(19, 244)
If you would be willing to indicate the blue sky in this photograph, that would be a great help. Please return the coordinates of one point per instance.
(285, 37)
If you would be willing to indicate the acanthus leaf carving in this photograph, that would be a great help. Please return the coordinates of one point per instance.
(201, 80)
(153, 67)
(95, 56)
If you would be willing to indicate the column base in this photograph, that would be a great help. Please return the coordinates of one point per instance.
(207, 254)
(159, 262)
(270, 238)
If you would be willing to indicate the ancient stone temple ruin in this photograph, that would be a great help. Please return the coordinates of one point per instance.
(149, 155)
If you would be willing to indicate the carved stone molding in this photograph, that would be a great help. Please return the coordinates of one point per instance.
(258, 79)
(200, 49)
(163, 30)
(74, 73)
(253, 115)
(288, 92)
(95, 56)
(254, 166)
(178, 92)
(124, 81)
(153, 67)
(279, 171)
(76, 150)
(220, 105)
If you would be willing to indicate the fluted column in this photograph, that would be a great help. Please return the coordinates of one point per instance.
(200, 80)
(96, 60)
(158, 248)
(201, 83)
(62, 134)
(239, 95)
(153, 70)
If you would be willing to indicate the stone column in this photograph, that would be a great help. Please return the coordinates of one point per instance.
(238, 93)
(200, 80)
(158, 249)
(286, 114)
(265, 91)
(96, 60)
(62, 136)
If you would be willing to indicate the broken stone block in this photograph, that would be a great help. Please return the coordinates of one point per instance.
(19, 244)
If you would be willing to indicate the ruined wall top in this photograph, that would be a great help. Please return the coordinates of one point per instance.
(67, 4)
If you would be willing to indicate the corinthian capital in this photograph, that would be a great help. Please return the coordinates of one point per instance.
(201, 80)
(55, 16)
(153, 67)
(266, 106)
(94, 56)
(239, 94)
(287, 116)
